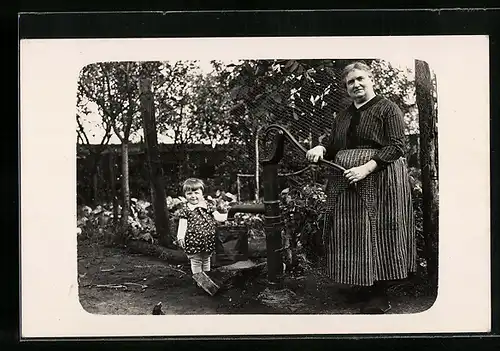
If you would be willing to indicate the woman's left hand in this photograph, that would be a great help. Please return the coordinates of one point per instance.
(356, 174)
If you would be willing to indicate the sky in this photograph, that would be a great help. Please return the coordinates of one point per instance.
(95, 133)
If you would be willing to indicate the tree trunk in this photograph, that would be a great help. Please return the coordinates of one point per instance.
(112, 182)
(435, 114)
(154, 162)
(125, 186)
(91, 179)
(148, 169)
(428, 161)
(94, 160)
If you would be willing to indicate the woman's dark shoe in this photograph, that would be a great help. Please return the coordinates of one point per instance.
(376, 305)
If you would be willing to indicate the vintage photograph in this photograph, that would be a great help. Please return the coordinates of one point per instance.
(257, 186)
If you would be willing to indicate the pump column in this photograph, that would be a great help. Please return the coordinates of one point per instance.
(272, 224)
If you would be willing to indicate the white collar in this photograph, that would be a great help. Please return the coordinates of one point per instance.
(202, 204)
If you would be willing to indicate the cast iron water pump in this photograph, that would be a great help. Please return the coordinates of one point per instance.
(273, 224)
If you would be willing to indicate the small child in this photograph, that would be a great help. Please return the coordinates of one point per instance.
(196, 231)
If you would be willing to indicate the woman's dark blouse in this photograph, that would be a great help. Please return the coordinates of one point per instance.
(378, 124)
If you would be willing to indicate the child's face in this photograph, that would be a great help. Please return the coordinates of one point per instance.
(194, 196)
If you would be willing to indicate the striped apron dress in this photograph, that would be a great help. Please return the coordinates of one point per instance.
(369, 231)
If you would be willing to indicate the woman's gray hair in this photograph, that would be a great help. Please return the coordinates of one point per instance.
(355, 65)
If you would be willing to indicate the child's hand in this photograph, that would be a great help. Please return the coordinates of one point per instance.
(181, 243)
(222, 206)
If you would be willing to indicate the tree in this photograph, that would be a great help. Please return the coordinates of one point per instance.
(94, 153)
(155, 171)
(209, 106)
(173, 101)
(428, 162)
(173, 106)
(397, 84)
(113, 87)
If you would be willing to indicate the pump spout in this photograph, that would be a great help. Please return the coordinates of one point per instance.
(248, 208)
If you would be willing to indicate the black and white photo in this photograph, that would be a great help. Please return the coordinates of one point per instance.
(254, 186)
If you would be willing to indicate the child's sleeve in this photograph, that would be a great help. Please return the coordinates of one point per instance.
(220, 217)
(182, 226)
(211, 207)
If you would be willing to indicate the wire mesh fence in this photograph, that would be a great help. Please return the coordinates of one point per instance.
(303, 96)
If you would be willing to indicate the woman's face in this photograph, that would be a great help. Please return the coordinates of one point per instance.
(359, 85)
(194, 197)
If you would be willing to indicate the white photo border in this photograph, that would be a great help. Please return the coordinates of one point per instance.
(49, 70)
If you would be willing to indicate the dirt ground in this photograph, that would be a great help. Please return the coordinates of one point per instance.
(116, 281)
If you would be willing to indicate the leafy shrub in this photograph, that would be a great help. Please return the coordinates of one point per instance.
(303, 209)
(98, 222)
(416, 186)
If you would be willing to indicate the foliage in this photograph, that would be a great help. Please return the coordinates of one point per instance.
(303, 211)
(100, 221)
(174, 101)
(210, 106)
(112, 88)
(416, 186)
(297, 94)
(397, 85)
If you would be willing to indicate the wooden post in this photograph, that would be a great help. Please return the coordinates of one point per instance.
(257, 181)
(156, 171)
(428, 161)
(238, 184)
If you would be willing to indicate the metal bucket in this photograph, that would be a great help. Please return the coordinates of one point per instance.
(231, 244)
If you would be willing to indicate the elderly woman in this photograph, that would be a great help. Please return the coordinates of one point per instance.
(369, 233)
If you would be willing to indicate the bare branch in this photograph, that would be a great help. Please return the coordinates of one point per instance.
(113, 117)
(81, 130)
(107, 134)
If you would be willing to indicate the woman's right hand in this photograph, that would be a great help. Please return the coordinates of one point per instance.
(315, 154)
